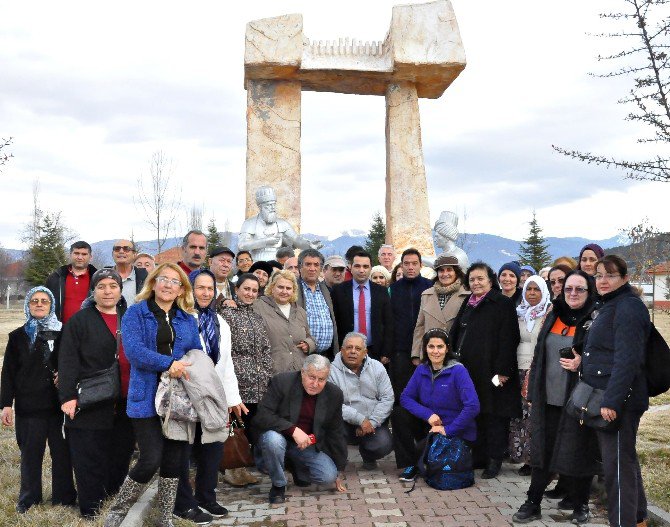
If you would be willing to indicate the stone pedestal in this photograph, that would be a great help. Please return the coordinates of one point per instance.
(407, 215)
(273, 145)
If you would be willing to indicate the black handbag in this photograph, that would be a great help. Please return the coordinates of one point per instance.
(584, 405)
(103, 385)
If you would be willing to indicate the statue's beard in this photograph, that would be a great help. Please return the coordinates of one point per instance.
(269, 217)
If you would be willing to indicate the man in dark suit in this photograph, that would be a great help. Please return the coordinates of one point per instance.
(364, 307)
(300, 418)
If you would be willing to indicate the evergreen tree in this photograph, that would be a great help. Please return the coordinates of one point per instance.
(376, 237)
(47, 252)
(213, 236)
(533, 250)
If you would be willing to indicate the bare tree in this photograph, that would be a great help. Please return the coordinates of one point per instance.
(158, 197)
(645, 27)
(4, 157)
(648, 247)
(194, 218)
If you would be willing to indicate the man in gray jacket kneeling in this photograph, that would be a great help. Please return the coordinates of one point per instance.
(368, 399)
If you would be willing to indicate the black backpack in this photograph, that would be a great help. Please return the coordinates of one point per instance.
(657, 363)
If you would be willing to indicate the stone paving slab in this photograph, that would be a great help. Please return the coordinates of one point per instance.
(377, 499)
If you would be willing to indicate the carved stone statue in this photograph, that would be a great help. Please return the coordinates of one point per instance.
(264, 233)
(446, 234)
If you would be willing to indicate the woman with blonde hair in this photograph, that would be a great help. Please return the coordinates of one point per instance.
(157, 332)
(286, 322)
(380, 275)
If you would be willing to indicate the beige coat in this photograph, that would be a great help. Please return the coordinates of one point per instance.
(431, 316)
(285, 334)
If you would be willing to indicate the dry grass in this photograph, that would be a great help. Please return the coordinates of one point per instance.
(653, 448)
(10, 319)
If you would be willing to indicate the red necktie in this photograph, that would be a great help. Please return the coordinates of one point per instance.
(362, 326)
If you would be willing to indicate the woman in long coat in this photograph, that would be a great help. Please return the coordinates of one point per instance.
(485, 336)
(558, 443)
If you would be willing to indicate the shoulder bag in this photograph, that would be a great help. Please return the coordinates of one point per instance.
(103, 385)
(584, 405)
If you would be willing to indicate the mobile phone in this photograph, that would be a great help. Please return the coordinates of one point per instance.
(566, 353)
(312, 439)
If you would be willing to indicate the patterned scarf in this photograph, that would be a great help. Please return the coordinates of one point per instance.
(207, 319)
(50, 322)
(531, 313)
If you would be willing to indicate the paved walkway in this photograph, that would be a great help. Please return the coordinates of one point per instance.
(377, 499)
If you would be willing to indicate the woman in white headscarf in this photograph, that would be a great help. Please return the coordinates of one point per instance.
(535, 301)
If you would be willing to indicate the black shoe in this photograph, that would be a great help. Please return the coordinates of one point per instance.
(277, 495)
(566, 504)
(297, 481)
(492, 469)
(581, 514)
(525, 470)
(22, 508)
(555, 494)
(528, 512)
(369, 465)
(409, 474)
(196, 516)
(216, 510)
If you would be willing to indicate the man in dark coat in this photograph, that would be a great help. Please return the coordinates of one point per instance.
(405, 304)
(300, 418)
(71, 284)
(349, 309)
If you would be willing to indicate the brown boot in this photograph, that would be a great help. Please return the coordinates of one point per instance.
(248, 477)
(235, 477)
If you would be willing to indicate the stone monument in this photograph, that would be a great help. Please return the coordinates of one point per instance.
(421, 56)
(264, 233)
(446, 234)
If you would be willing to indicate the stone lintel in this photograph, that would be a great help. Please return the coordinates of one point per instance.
(423, 46)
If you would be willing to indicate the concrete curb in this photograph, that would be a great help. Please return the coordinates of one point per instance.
(660, 516)
(139, 511)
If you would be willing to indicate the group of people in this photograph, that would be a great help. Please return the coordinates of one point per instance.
(314, 353)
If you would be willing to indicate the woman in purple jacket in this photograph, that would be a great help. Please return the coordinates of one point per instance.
(440, 397)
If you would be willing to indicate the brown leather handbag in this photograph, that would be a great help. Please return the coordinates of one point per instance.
(236, 449)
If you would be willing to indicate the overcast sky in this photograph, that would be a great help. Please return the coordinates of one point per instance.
(89, 91)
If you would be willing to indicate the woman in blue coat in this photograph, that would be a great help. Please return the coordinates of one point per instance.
(157, 332)
(440, 397)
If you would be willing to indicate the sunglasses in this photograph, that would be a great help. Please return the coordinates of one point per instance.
(578, 290)
(37, 301)
(126, 248)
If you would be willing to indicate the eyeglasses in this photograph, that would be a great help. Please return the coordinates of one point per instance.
(125, 248)
(576, 290)
(608, 276)
(36, 301)
(243, 260)
(556, 281)
(165, 280)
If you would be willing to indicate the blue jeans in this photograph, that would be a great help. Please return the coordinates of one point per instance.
(310, 465)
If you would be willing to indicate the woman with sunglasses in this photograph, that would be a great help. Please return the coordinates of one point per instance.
(558, 444)
(29, 382)
(157, 332)
(556, 279)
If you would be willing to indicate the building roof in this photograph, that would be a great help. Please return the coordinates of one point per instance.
(662, 268)
(15, 269)
(172, 255)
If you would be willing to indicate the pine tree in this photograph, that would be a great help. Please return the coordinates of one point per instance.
(47, 252)
(533, 250)
(376, 236)
(213, 236)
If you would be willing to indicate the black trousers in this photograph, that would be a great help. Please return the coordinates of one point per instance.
(401, 372)
(156, 452)
(91, 454)
(408, 434)
(371, 446)
(492, 438)
(577, 488)
(123, 445)
(207, 460)
(32, 436)
(626, 500)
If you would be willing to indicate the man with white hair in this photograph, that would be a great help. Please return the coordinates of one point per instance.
(264, 233)
(300, 420)
(386, 256)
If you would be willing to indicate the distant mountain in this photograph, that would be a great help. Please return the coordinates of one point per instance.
(494, 250)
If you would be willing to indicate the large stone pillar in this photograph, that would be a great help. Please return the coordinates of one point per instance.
(273, 145)
(407, 215)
